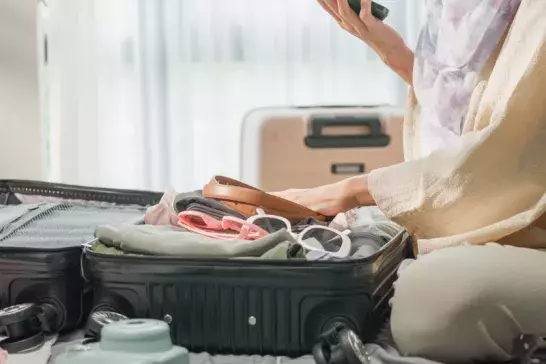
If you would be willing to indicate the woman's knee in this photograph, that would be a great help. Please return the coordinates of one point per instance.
(460, 303)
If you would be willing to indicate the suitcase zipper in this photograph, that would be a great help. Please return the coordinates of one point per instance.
(387, 250)
(142, 198)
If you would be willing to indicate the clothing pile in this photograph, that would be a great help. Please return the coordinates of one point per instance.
(191, 225)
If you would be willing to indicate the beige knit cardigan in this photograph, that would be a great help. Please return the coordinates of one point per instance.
(492, 187)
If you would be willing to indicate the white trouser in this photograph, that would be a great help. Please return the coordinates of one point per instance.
(469, 303)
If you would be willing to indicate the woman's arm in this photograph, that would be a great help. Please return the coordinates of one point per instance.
(493, 184)
(334, 198)
(490, 186)
(399, 58)
(383, 39)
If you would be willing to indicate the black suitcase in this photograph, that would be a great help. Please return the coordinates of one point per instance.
(41, 243)
(249, 307)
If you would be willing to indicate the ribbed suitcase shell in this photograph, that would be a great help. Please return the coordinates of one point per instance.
(249, 307)
(38, 275)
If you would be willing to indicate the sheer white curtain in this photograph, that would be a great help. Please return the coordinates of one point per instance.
(152, 93)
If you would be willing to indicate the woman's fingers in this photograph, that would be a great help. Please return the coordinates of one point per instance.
(346, 12)
(328, 8)
(333, 4)
(350, 17)
(357, 24)
(366, 11)
(349, 28)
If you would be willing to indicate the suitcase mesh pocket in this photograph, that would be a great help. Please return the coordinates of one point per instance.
(59, 226)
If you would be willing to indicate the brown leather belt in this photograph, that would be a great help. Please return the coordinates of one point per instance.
(246, 199)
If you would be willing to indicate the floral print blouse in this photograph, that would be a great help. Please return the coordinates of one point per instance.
(454, 45)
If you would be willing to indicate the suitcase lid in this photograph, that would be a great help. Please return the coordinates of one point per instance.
(62, 217)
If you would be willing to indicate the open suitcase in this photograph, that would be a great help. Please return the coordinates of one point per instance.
(214, 305)
(305, 147)
(249, 306)
(42, 229)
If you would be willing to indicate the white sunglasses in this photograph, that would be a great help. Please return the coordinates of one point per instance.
(343, 252)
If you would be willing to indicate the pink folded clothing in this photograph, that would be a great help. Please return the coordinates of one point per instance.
(229, 228)
(199, 220)
(3, 357)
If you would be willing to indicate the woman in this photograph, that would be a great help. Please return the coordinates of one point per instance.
(475, 173)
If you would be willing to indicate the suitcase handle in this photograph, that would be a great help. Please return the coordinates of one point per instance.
(375, 138)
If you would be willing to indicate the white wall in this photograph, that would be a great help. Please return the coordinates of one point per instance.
(20, 142)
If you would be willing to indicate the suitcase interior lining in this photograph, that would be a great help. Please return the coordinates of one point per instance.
(59, 226)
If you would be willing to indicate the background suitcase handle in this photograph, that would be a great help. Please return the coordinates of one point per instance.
(375, 137)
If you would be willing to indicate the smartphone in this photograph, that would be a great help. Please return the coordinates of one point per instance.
(379, 11)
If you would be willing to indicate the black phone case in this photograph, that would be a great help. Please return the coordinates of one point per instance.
(379, 11)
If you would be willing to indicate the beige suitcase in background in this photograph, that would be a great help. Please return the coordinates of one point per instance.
(284, 148)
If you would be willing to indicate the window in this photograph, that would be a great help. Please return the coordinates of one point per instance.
(151, 94)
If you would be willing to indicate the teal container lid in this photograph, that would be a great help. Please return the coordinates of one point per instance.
(136, 336)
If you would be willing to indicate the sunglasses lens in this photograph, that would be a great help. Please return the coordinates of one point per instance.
(323, 239)
(270, 224)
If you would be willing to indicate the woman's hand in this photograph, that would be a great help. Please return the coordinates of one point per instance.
(332, 199)
(386, 41)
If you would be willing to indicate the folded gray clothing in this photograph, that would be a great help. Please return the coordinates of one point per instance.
(194, 201)
(174, 241)
(387, 230)
(363, 245)
(283, 251)
(371, 220)
(370, 231)
(366, 244)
